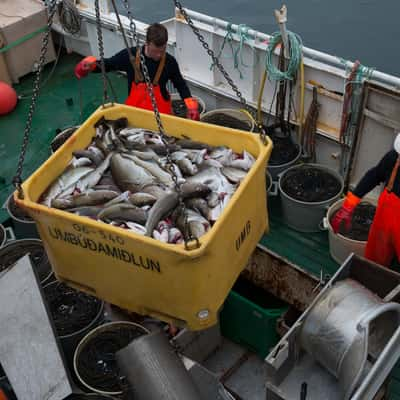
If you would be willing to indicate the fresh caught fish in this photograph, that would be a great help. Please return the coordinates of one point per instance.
(153, 168)
(128, 175)
(91, 211)
(80, 162)
(141, 199)
(197, 225)
(175, 236)
(124, 212)
(91, 198)
(213, 199)
(216, 211)
(234, 175)
(161, 233)
(191, 190)
(187, 167)
(199, 205)
(95, 158)
(244, 163)
(155, 190)
(133, 183)
(67, 180)
(121, 198)
(161, 208)
(161, 149)
(94, 177)
(214, 179)
(135, 227)
(195, 156)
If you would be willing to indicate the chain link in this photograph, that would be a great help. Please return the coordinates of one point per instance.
(188, 237)
(221, 68)
(101, 51)
(17, 180)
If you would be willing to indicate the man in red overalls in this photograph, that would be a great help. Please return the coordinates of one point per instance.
(162, 68)
(384, 236)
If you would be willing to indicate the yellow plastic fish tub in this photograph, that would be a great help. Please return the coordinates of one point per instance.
(140, 274)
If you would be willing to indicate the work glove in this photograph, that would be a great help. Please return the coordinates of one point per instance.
(88, 64)
(192, 108)
(343, 216)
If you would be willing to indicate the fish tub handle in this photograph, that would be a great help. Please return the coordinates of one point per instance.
(273, 192)
(10, 235)
(324, 224)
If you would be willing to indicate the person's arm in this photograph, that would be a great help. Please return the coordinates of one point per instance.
(369, 181)
(118, 62)
(181, 86)
(177, 79)
(376, 175)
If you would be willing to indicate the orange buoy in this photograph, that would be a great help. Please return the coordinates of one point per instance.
(8, 98)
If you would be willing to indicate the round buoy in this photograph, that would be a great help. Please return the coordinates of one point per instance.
(8, 98)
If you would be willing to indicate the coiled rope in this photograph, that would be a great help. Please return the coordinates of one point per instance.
(295, 56)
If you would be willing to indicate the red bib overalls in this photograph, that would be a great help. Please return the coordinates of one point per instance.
(139, 96)
(384, 236)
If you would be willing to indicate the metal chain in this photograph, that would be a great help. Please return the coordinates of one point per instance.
(17, 180)
(221, 68)
(146, 74)
(188, 237)
(101, 51)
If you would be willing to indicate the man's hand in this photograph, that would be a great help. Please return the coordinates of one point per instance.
(343, 216)
(88, 64)
(192, 108)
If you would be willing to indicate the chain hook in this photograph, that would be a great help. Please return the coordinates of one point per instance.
(169, 164)
(100, 46)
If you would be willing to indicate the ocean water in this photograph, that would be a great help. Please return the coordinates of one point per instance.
(367, 30)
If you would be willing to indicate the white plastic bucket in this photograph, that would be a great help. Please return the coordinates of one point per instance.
(340, 247)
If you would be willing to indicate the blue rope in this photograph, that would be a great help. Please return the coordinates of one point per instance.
(237, 54)
(295, 55)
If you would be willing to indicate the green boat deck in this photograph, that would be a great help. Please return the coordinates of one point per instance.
(58, 107)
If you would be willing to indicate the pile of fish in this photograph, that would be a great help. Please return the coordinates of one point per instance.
(123, 178)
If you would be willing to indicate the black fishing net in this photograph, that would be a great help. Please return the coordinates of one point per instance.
(226, 120)
(284, 150)
(71, 310)
(11, 253)
(61, 137)
(179, 108)
(361, 222)
(310, 184)
(96, 362)
(18, 212)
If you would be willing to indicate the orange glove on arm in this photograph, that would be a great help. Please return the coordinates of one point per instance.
(343, 216)
(88, 64)
(192, 108)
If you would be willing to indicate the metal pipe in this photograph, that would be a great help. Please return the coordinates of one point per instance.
(155, 371)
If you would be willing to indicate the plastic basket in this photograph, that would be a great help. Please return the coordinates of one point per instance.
(250, 324)
(137, 273)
